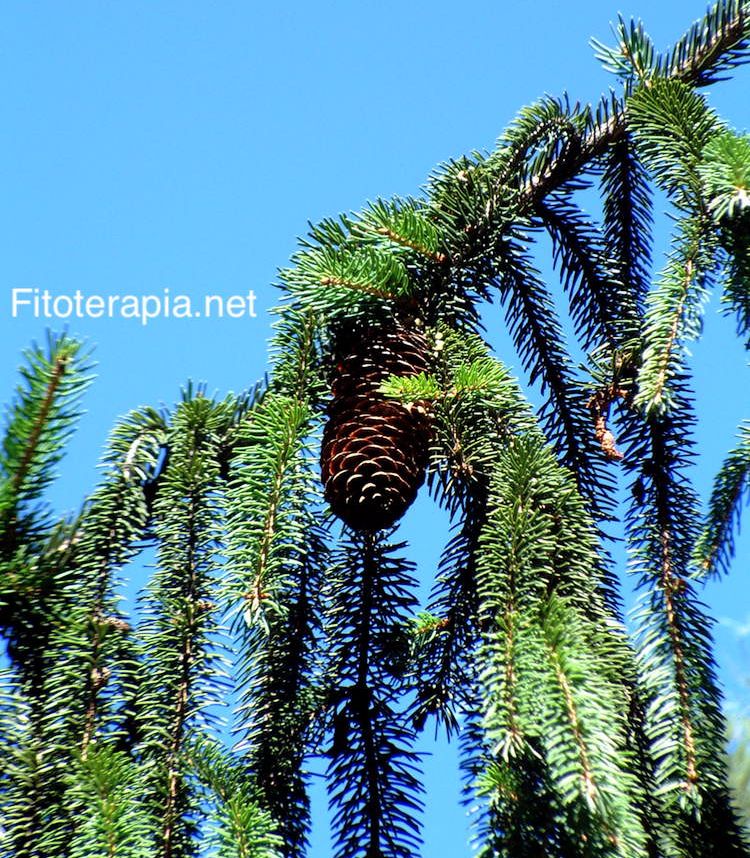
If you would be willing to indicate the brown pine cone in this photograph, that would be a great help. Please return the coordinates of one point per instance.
(375, 450)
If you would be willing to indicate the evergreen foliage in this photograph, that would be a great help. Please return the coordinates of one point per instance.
(272, 638)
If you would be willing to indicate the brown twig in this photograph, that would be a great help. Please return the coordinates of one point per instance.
(598, 405)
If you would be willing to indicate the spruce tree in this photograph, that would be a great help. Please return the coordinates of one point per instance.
(282, 607)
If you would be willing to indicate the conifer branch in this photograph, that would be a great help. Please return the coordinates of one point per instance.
(627, 221)
(539, 341)
(589, 786)
(107, 536)
(669, 571)
(295, 349)
(683, 720)
(397, 238)
(714, 45)
(39, 422)
(59, 367)
(105, 790)
(335, 280)
(548, 121)
(67, 638)
(373, 784)
(670, 585)
(403, 224)
(238, 826)
(579, 255)
(673, 314)
(181, 652)
(592, 146)
(444, 657)
(483, 410)
(715, 546)
(276, 552)
(537, 591)
(694, 61)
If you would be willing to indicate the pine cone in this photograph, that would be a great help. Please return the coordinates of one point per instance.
(375, 450)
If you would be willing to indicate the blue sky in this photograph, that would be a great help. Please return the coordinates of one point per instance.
(184, 146)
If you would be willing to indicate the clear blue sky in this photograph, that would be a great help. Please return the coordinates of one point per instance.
(185, 146)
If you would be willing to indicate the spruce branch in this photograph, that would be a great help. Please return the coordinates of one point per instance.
(295, 349)
(339, 280)
(683, 722)
(724, 174)
(715, 546)
(597, 139)
(634, 56)
(712, 46)
(578, 253)
(674, 314)
(545, 618)
(480, 412)
(724, 171)
(67, 639)
(267, 463)
(543, 134)
(444, 657)
(39, 422)
(672, 125)
(604, 777)
(181, 651)
(59, 367)
(276, 550)
(374, 788)
(106, 791)
(538, 337)
(627, 221)
(109, 532)
(238, 826)
(403, 224)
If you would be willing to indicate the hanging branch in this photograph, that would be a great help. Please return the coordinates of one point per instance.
(20, 781)
(578, 252)
(180, 651)
(477, 408)
(82, 669)
(683, 721)
(62, 604)
(444, 639)
(373, 776)
(537, 334)
(627, 221)
(276, 551)
(39, 422)
(238, 826)
(106, 788)
(715, 546)
(108, 536)
(549, 632)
